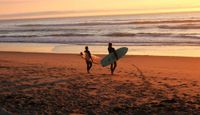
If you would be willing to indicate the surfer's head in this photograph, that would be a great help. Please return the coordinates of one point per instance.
(110, 44)
(86, 47)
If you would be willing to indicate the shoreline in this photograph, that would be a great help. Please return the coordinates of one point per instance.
(175, 51)
(101, 55)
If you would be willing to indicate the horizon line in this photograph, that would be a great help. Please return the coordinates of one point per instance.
(49, 17)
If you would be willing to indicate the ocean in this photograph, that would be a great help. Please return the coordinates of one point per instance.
(170, 34)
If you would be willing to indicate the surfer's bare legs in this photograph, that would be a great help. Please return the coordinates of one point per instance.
(89, 66)
(112, 67)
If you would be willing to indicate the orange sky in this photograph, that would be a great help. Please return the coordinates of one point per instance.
(56, 8)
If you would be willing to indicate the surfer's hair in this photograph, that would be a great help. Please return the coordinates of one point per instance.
(86, 47)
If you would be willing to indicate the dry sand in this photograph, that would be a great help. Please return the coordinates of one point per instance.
(58, 84)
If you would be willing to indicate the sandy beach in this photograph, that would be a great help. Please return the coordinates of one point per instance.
(57, 84)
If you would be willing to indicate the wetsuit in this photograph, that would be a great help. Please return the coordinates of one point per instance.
(114, 64)
(88, 59)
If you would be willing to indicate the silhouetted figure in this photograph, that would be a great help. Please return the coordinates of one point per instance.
(112, 50)
(88, 59)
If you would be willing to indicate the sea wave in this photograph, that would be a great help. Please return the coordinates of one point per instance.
(70, 34)
(165, 21)
(117, 43)
(18, 36)
(113, 23)
(73, 24)
(114, 34)
(183, 26)
(48, 35)
(119, 34)
(171, 35)
(40, 30)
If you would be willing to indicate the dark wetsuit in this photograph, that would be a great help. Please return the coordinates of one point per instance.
(113, 65)
(88, 60)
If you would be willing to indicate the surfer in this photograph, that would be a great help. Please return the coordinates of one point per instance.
(114, 64)
(88, 59)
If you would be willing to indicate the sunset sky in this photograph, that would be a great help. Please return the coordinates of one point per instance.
(60, 8)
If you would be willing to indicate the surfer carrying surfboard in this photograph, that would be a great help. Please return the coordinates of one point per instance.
(88, 59)
(114, 64)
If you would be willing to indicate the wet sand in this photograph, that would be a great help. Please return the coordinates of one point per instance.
(36, 83)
